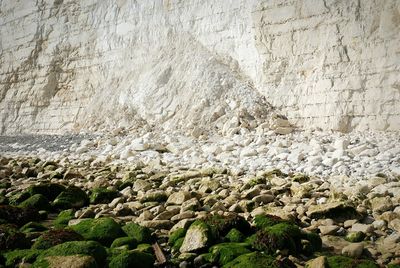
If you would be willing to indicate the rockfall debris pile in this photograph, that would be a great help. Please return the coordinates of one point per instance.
(81, 213)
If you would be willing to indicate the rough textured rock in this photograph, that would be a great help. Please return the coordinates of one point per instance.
(328, 64)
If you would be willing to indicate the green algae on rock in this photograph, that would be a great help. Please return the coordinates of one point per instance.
(37, 201)
(280, 236)
(234, 235)
(174, 236)
(129, 242)
(133, 258)
(13, 258)
(49, 190)
(71, 197)
(12, 238)
(76, 261)
(32, 227)
(17, 215)
(63, 218)
(347, 262)
(199, 236)
(253, 260)
(226, 252)
(90, 248)
(54, 237)
(103, 230)
(102, 195)
(140, 233)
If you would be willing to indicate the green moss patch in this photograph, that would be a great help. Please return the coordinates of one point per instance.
(12, 238)
(280, 236)
(54, 237)
(90, 248)
(63, 218)
(102, 195)
(13, 258)
(71, 197)
(226, 252)
(253, 260)
(129, 242)
(139, 233)
(135, 259)
(37, 201)
(103, 230)
(32, 227)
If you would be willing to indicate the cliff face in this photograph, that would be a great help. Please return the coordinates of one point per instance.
(85, 64)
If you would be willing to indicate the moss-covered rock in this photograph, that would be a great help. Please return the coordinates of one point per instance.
(301, 178)
(253, 260)
(147, 248)
(102, 195)
(199, 236)
(139, 233)
(355, 237)
(49, 190)
(90, 248)
(226, 252)
(221, 225)
(103, 230)
(235, 236)
(71, 197)
(264, 221)
(135, 259)
(280, 236)
(63, 218)
(54, 237)
(13, 258)
(32, 227)
(17, 215)
(179, 233)
(76, 261)
(156, 196)
(18, 198)
(37, 201)
(315, 242)
(129, 242)
(338, 210)
(346, 262)
(12, 238)
(177, 244)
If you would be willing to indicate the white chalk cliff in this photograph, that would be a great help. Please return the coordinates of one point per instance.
(71, 65)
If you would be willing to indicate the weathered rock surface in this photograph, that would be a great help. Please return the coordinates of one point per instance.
(58, 72)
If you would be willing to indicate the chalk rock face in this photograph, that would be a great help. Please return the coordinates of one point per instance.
(69, 65)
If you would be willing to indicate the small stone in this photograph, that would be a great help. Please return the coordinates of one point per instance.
(354, 250)
(349, 223)
(178, 198)
(395, 225)
(157, 224)
(141, 185)
(319, 262)
(365, 228)
(328, 230)
(191, 204)
(264, 198)
(381, 204)
(166, 215)
(379, 224)
(184, 215)
(355, 237)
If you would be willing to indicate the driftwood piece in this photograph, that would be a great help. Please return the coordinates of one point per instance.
(159, 254)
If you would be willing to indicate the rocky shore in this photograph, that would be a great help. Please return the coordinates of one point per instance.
(88, 213)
